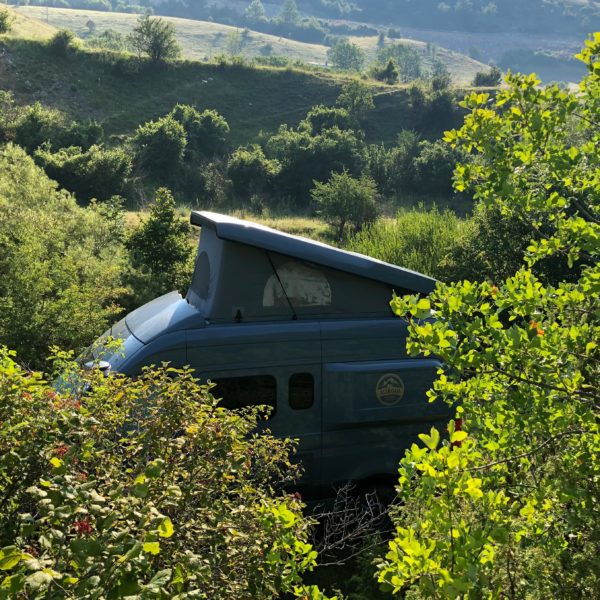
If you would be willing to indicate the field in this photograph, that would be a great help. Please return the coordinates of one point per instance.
(203, 40)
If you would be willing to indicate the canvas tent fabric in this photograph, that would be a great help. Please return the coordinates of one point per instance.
(247, 272)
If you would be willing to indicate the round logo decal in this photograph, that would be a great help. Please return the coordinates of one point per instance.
(390, 389)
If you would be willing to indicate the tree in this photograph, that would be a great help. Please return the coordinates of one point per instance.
(290, 15)
(160, 147)
(251, 171)
(321, 118)
(206, 131)
(507, 507)
(405, 57)
(346, 56)
(160, 251)
(62, 42)
(60, 264)
(345, 200)
(155, 37)
(255, 12)
(6, 21)
(490, 79)
(357, 99)
(388, 73)
(305, 158)
(97, 172)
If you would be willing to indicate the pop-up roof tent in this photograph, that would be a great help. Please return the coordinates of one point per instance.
(248, 272)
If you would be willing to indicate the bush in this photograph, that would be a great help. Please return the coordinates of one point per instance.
(507, 507)
(62, 42)
(141, 487)
(95, 173)
(161, 252)
(6, 21)
(250, 171)
(305, 158)
(346, 56)
(406, 59)
(433, 168)
(344, 201)
(206, 131)
(320, 118)
(60, 264)
(417, 239)
(160, 147)
(36, 125)
(490, 79)
(387, 73)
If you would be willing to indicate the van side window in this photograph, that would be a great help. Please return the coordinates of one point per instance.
(238, 392)
(301, 391)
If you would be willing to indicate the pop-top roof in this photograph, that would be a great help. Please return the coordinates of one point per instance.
(259, 236)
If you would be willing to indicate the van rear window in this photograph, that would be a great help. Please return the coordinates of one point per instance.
(301, 391)
(239, 392)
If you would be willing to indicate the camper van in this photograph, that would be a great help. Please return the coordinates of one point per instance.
(304, 328)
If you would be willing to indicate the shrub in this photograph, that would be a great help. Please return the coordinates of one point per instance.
(406, 59)
(116, 487)
(250, 171)
(160, 147)
(160, 250)
(62, 42)
(357, 99)
(36, 125)
(433, 168)
(60, 264)
(6, 21)
(305, 158)
(346, 56)
(206, 131)
(490, 79)
(320, 118)
(507, 506)
(344, 201)
(155, 37)
(387, 73)
(94, 173)
(417, 239)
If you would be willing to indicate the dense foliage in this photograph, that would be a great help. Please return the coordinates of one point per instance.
(115, 487)
(507, 507)
(59, 263)
(155, 38)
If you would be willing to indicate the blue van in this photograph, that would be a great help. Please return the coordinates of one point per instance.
(304, 328)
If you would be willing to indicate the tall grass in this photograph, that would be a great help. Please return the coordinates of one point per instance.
(418, 239)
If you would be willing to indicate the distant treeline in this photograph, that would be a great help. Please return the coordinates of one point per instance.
(560, 16)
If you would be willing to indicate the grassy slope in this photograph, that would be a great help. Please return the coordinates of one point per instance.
(201, 39)
(87, 85)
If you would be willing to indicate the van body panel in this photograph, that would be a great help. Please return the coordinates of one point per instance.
(168, 348)
(163, 315)
(373, 412)
(281, 351)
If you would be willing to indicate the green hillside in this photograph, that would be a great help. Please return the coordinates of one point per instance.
(202, 39)
(93, 85)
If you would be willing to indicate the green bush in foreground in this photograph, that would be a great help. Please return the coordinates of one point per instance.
(510, 509)
(141, 488)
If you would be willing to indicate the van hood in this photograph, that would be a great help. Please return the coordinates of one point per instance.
(163, 315)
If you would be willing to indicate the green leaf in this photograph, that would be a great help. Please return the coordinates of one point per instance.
(432, 440)
(165, 528)
(458, 436)
(151, 547)
(56, 462)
